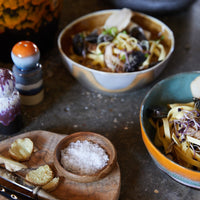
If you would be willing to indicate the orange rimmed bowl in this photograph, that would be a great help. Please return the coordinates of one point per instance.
(174, 89)
(95, 138)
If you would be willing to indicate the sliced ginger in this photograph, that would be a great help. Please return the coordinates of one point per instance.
(21, 149)
(11, 165)
(40, 176)
(50, 186)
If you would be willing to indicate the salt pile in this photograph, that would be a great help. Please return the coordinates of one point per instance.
(84, 157)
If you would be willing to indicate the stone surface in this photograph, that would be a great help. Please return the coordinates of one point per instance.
(68, 107)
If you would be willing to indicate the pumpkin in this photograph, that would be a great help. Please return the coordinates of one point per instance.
(27, 20)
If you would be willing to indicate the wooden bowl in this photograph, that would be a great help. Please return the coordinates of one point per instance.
(94, 138)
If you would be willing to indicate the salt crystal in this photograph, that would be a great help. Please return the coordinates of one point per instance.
(115, 120)
(84, 157)
(120, 114)
(67, 109)
(99, 96)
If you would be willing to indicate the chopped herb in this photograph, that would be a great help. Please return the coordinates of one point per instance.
(111, 31)
(161, 38)
(123, 57)
(104, 32)
(82, 35)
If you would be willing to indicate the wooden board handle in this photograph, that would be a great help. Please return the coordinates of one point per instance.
(38, 192)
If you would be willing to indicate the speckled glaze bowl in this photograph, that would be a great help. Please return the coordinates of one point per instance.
(107, 82)
(174, 89)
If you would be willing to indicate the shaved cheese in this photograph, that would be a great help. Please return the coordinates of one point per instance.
(176, 140)
(166, 128)
(11, 165)
(180, 134)
(193, 140)
(176, 112)
(119, 19)
(190, 104)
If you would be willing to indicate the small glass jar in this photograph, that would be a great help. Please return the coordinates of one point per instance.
(34, 20)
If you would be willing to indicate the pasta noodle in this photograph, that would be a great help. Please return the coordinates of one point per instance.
(124, 43)
(117, 51)
(179, 134)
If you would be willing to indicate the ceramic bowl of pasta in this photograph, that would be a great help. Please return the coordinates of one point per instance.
(170, 126)
(116, 51)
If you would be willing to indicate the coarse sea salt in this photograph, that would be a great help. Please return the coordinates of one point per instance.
(84, 157)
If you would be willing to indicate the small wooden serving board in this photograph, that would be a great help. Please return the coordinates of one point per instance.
(45, 142)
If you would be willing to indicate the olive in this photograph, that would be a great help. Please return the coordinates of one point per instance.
(138, 33)
(196, 102)
(92, 37)
(145, 45)
(135, 59)
(157, 112)
(105, 38)
(79, 44)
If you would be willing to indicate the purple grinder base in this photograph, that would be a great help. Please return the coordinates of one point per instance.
(13, 127)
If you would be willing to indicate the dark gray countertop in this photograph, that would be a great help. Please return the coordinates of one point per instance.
(68, 107)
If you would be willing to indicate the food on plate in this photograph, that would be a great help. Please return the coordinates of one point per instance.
(21, 149)
(120, 45)
(178, 133)
(51, 185)
(43, 176)
(40, 176)
(84, 157)
(11, 165)
(10, 114)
